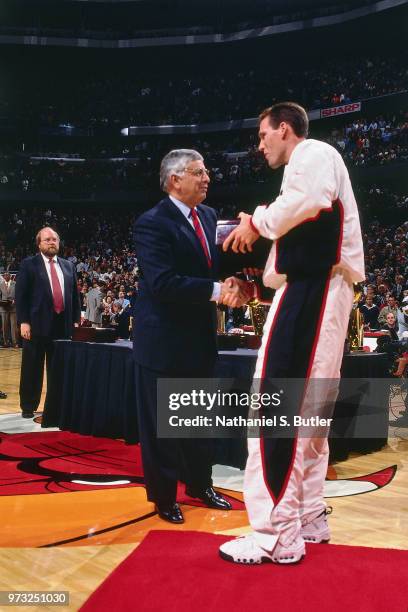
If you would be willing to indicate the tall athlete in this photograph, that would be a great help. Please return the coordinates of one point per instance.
(316, 255)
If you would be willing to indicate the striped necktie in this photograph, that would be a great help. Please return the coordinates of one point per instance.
(200, 235)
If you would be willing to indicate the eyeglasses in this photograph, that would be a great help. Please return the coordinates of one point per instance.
(199, 172)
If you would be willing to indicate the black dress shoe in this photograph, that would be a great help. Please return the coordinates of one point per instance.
(26, 414)
(170, 513)
(3, 395)
(211, 498)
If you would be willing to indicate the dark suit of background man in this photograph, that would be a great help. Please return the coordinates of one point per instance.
(48, 306)
(175, 323)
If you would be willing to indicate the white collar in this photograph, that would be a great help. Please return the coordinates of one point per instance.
(183, 208)
(47, 259)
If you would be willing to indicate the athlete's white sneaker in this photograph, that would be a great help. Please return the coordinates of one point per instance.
(317, 530)
(246, 550)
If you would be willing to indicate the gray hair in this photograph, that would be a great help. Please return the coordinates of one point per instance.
(175, 162)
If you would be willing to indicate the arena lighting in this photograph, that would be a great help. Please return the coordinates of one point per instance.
(106, 1)
(57, 159)
(67, 127)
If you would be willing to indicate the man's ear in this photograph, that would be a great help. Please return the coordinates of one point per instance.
(175, 180)
(285, 130)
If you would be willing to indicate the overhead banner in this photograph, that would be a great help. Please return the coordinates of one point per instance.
(343, 109)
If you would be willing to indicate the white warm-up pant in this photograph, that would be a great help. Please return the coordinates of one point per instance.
(301, 499)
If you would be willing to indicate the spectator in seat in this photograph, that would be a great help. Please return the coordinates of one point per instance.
(391, 306)
(402, 320)
(391, 326)
(107, 303)
(122, 300)
(381, 297)
(370, 312)
(399, 287)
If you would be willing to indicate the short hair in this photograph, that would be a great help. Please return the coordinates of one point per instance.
(38, 236)
(290, 112)
(175, 162)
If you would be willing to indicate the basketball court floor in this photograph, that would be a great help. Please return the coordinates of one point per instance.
(72, 507)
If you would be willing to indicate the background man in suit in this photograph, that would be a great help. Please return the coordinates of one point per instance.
(8, 312)
(175, 323)
(48, 306)
(94, 305)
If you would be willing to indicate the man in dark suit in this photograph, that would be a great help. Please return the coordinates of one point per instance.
(175, 323)
(48, 306)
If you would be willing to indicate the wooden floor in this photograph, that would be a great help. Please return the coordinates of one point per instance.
(378, 518)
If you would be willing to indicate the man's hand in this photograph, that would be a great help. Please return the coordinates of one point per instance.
(243, 237)
(25, 330)
(234, 293)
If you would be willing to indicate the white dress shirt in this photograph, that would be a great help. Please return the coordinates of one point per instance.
(57, 269)
(186, 210)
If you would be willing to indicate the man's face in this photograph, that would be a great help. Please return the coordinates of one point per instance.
(6, 277)
(391, 301)
(49, 243)
(272, 143)
(192, 185)
(369, 300)
(390, 318)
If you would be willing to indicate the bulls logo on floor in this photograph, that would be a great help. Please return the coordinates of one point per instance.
(86, 469)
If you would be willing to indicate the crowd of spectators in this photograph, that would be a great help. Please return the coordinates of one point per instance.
(384, 302)
(231, 159)
(376, 141)
(141, 97)
(99, 244)
(99, 241)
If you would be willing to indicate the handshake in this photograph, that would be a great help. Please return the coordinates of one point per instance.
(235, 292)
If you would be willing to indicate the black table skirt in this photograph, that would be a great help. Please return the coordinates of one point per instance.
(92, 391)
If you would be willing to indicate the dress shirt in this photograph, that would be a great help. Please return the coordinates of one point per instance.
(57, 269)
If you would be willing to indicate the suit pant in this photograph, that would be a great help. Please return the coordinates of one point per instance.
(9, 326)
(35, 352)
(165, 461)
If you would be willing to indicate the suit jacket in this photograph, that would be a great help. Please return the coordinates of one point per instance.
(7, 293)
(34, 296)
(94, 307)
(174, 326)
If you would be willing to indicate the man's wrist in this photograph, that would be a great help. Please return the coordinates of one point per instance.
(253, 226)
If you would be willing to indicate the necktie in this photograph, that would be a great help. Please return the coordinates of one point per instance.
(200, 235)
(56, 289)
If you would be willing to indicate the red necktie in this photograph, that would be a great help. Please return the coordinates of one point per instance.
(200, 235)
(56, 289)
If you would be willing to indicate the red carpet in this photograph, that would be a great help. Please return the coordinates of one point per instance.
(179, 571)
